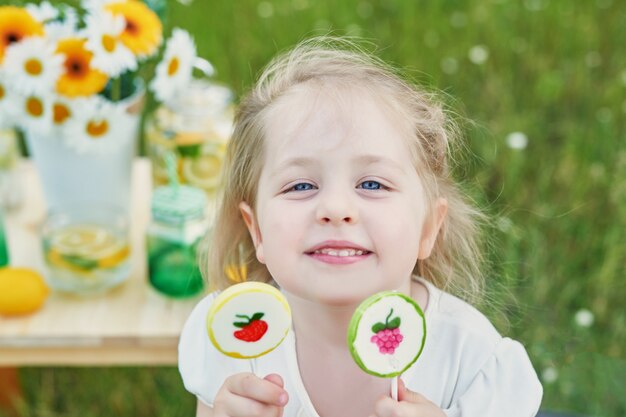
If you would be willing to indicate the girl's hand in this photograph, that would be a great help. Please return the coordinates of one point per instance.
(409, 404)
(245, 395)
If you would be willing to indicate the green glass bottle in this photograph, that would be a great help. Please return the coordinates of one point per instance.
(4, 252)
(178, 224)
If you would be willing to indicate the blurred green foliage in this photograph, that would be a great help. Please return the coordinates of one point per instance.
(554, 71)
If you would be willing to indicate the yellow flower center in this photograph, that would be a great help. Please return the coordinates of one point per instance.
(60, 113)
(108, 43)
(172, 68)
(34, 107)
(16, 23)
(95, 129)
(1, 92)
(33, 66)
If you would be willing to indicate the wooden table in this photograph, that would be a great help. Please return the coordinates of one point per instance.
(130, 325)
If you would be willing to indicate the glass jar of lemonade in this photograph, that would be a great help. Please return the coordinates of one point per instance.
(86, 248)
(196, 126)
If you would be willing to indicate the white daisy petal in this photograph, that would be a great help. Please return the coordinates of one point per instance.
(173, 73)
(100, 128)
(42, 12)
(33, 112)
(109, 53)
(65, 28)
(65, 110)
(32, 65)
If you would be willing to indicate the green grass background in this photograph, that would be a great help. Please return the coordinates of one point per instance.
(556, 71)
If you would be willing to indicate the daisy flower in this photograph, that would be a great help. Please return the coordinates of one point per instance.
(78, 77)
(66, 27)
(174, 71)
(101, 127)
(65, 110)
(15, 24)
(109, 54)
(31, 65)
(33, 113)
(142, 33)
(42, 12)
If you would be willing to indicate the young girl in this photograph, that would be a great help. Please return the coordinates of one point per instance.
(338, 186)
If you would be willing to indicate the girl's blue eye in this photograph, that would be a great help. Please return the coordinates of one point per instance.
(301, 186)
(371, 185)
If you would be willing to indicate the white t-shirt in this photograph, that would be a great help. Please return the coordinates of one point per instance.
(466, 367)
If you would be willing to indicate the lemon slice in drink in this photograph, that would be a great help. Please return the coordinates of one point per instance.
(202, 171)
(85, 247)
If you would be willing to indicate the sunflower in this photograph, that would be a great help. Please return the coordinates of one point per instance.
(15, 24)
(79, 78)
(142, 33)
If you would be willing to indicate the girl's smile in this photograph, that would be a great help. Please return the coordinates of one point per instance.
(338, 252)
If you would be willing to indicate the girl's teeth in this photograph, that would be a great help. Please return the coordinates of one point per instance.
(340, 252)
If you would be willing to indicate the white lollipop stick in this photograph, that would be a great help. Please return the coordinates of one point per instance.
(394, 388)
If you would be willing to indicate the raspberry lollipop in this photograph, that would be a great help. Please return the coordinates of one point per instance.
(386, 334)
(248, 320)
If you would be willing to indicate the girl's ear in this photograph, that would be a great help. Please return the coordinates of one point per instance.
(431, 228)
(253, 228)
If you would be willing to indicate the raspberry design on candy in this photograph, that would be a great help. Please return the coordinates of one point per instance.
(252, 329)
(387, 335)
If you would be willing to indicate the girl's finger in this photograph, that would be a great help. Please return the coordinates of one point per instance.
(405, 394)
(261, 390)
(238, 406)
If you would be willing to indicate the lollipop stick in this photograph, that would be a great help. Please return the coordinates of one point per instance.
(253, 366)
(394, 388)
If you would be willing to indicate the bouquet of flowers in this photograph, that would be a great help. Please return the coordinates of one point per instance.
(70, 73)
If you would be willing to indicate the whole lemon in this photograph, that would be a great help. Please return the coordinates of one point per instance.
(22, 291)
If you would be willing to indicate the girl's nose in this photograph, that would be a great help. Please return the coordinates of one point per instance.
(336, 208)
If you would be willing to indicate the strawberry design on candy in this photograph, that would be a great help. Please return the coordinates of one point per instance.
(387, 335)
(252, 330)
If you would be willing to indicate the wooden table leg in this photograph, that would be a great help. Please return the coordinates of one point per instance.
(10, 391)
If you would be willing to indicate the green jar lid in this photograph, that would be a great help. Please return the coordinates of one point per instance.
(177, 204)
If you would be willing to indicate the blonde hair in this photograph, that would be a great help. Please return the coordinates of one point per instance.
(455, 261)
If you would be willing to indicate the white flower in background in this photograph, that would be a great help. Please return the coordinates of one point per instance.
(33, 112)
(110, 55)
(96, 5)
(549, 375)
(65, 111)
(449, 65)
(99, 128)
(265, 9)
(32, 65)
(174, 72)
(42, 12)
(584, 318)
(59, 29)
(478, 54)
(517, 140)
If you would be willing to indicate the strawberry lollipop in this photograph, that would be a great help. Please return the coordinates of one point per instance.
(386, 335)
(248, 320)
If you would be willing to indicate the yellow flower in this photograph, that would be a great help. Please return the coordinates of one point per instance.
(15, 24)
(79, 78)
(143, 31)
